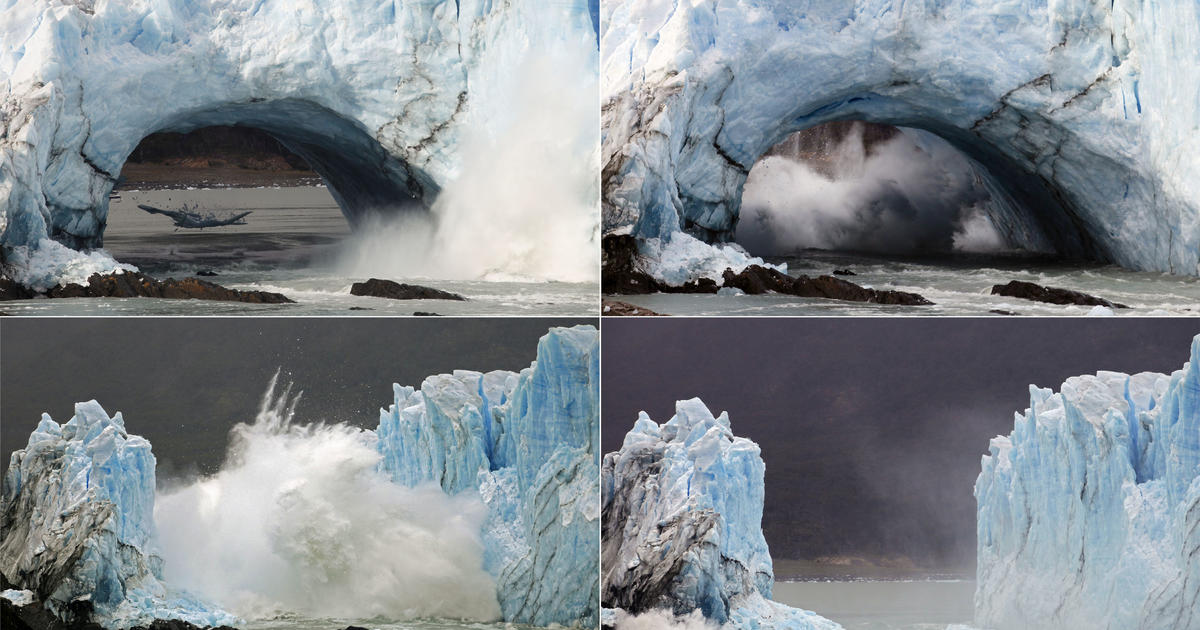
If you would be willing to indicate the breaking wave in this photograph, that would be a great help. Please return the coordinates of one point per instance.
(299, 520)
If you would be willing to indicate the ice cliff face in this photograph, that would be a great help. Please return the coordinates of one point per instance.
(78, 525)
(1089, 512)
(528, 443)
(375, 96)
(1087, 113)
(682, 505)
(78, 502)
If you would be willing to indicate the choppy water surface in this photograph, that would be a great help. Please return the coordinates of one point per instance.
(289, 245)
(958, 285)
(884, 605)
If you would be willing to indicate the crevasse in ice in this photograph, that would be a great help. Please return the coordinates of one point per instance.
(78, 524)
(682, 514)
(78, 500)
(1089, 511)
(1087, 113)
(375, 96)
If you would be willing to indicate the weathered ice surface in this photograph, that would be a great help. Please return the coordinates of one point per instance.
(374, 96)
(528, 443)
(682, 524)
(1089, 512)
(78, 525)
(1086, 113)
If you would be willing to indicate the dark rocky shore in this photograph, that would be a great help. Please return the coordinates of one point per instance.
(620, 275)
(135, 284)
(396, 291)
(1051, 295)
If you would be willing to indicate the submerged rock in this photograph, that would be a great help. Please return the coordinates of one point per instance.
(756, 280)
(1052, 295)
(617, 308)
(396, 291)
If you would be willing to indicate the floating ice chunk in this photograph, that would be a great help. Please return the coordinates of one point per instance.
(18, 597)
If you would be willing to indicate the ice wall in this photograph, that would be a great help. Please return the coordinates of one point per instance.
(682, 506)
(1089, 512)
(528, 443)
(78, 526)
(376, 96)
(1086, 112)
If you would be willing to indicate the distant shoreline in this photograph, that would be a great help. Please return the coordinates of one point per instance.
(166, 177)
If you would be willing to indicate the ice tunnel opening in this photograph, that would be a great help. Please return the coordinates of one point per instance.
(910, 190)
(307, 174)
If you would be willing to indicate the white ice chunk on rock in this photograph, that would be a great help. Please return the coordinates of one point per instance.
(682, 519)
(78, 525)
(1089, 511)
(528, 443)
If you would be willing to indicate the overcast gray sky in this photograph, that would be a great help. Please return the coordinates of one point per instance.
(183, 383)
(871, 429)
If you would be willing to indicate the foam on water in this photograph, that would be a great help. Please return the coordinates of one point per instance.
(299, 520)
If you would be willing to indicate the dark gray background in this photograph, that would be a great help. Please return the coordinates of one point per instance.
(871, 429)
(183, 383)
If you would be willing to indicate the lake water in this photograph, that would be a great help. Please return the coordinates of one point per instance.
(884, 605)
(958, 285)
(289, 245)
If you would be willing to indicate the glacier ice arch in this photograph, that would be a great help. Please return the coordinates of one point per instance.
(376, 96)
(1085, 113)
(362, 177)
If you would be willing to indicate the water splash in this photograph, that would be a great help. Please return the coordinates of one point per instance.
(913, 193)
(299, 520)
(525, 203)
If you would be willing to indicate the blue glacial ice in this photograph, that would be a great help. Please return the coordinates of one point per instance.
(78, 524)
(682, 505)
(527, 443)
(1087, 113)
(378, 97)
(1089, 511)
(79, 499)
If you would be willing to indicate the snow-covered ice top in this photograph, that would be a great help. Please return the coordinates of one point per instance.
(527, 442)
(375, 96)
(1089, 512)
(682, 527)
(1087, 112)
(78, 523)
